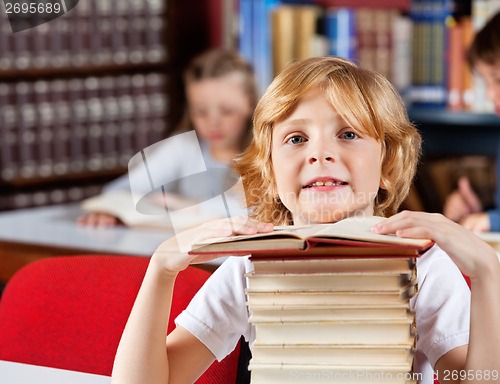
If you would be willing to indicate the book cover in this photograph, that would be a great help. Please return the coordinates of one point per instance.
(307, 265)
(335, 354)
(340, 282)
(342, 374)
(307, 299)
(121, 205)
(369, 331)
(292, 313)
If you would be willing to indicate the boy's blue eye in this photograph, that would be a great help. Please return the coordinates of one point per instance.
(349, 135)
(296, 140)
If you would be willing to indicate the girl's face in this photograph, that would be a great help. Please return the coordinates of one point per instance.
(219, 109)
(491, 75)
(325, 170)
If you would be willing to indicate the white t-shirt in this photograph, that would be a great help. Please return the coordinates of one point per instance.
(218, 315)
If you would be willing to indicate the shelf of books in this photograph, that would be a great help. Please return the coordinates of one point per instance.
(329, 300)
(418, 44)
(80, 95)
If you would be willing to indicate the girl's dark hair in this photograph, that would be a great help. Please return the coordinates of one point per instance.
(486, 44)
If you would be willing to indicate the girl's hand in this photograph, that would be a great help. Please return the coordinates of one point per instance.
(471, 254)
(172, 254)
(462, 202)
(101, 220)
(476, 222)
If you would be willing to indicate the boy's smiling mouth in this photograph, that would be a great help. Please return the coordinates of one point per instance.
(324, 183)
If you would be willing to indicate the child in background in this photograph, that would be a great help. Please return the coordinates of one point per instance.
(331, 141)
(463, 205)
(221, 95)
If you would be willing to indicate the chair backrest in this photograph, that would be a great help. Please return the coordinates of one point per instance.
(70, 312)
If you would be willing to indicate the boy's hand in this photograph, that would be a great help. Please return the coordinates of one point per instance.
(469, 252)
(172, 254)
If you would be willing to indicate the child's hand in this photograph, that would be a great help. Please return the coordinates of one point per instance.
(471, 254)
(462, 202)
(172, 255)
(476, 222)
(100, 220)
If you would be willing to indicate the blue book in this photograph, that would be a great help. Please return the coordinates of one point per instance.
(340, 29)
(262, 42)
(331, 30)
(245, 29)
(346, 33)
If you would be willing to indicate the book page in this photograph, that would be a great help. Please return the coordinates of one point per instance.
(121, 205)
(361, 229)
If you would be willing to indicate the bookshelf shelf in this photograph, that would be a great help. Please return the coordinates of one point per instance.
(438, 116)
(448, 133)
(16, 75)
(34, 182)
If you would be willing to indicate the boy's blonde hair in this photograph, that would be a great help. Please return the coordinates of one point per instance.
(363, 98)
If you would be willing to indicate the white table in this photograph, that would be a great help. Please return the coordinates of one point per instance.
(30, 234)
(56, 226)
(18, 373)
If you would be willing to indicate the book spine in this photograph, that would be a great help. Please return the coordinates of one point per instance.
(262, 44)
(77, 108)
(8, 144)
(245, 43)
(401, 54)
(346, 33)
(456, 63)
(467, 35)
(283, 27)
(46, 122)
(331, 30)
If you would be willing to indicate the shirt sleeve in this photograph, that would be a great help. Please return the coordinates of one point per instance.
(218, 315)
(442, 306)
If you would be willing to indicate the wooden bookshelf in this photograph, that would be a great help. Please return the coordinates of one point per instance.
(83, 93)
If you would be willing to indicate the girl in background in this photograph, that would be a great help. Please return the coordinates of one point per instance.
(221, 95)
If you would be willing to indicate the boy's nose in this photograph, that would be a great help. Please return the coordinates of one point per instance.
(314, 159)
(322, 152)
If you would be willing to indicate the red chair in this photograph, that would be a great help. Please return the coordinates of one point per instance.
(69, 313)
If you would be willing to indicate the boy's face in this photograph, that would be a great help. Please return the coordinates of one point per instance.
(325, 170)
(219, 109)
(491, 75)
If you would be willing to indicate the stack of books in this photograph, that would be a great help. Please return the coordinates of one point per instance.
(330, 303)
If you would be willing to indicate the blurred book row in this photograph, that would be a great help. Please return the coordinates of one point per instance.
(65, 126)
(41, 196)
(419, 44)
(96, 32)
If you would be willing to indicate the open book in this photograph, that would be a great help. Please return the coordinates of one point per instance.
(121, 205)
(349, 236)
